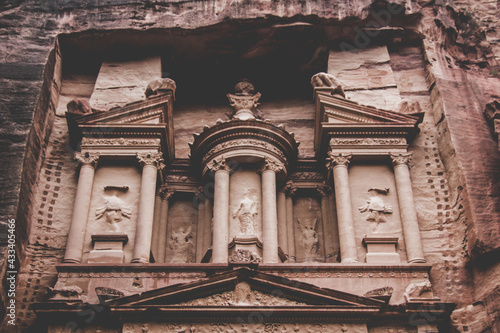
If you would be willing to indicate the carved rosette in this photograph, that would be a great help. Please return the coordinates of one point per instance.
(401, 159)
(87, 159)
(151, 159)
(272, 166)
(218, 164)
(339, 159)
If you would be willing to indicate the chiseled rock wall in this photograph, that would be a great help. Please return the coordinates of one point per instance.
(453, 76)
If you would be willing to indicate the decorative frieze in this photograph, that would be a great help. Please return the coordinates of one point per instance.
(367, 141)
(119, 142)
(244, 143)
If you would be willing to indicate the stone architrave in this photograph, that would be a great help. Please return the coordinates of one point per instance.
(75, 243)
(411, 230)
(221, 210)
(269, 211)
(166, 195)
(150, 163)
(338, 163)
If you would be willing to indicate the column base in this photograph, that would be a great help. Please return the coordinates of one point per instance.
(349, 261)
(417, 261)
(108, 248)
(71, 261)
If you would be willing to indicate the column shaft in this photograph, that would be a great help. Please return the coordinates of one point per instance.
(408, 213)
(344, 214)
(144, 228)
(335, 227)
(221, 217)
(327, 228)
(76, 236)
(200, 229)
(207, 231)
(162, 230)
(282, 228)
(290, 228)
(269, 217)
(155, 237)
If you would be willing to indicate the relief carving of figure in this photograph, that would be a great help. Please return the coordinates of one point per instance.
(114, 211)
(181, 244)
(246, 213)
(375, 206)
(309, 237)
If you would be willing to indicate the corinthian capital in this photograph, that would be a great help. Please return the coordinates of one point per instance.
(165, 193)
(154, 159)
(290, 188)
(87, 158)
(324, 190)
(399, 159)
(271, 165)
(337, 159)
(218, 164)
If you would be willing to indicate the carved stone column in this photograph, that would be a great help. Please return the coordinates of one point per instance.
(335, 227)
(407, 209)
(339, 162)
(282, 227)
(200, 199)
(156, 225)
(221, 210)
(328, 232)
(290, 191)
(76, 236)
(162, 231)
(150, 163)
(207, 231)
(269, 213)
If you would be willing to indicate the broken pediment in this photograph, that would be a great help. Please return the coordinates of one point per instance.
(244, 288)
(340, 118)
(146, 119)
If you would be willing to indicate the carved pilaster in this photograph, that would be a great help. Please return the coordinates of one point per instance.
(87, 159)
(152, 159)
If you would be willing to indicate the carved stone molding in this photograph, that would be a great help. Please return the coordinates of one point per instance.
(306, 175)
(87, 158)
(218, 164)
(399, 159)
(271, 165)
(153, 159)
(335, 159)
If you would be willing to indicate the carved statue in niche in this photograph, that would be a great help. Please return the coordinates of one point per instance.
(246, 213)
(114, 210)
(182, 246)
(309, 237)
(375, 206)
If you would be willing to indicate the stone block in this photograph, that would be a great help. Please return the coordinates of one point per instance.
(381, 249)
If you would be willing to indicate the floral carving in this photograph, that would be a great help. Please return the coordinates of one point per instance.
(120, 142)
(244, 256)
(366, 141)
(385, 291)
(218, 164)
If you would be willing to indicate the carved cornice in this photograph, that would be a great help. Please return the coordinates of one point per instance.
(152, 159)
(271, 165)
(336, 159)
(87, 159)
(218, 164)
(401, 159)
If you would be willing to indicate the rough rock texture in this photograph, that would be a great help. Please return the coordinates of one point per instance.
(452, 73)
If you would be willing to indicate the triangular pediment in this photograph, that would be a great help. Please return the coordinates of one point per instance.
(244, 288)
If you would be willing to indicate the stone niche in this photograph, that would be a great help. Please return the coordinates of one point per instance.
(182, 229)
(308, 227)
(375, 207)
(113, 206)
